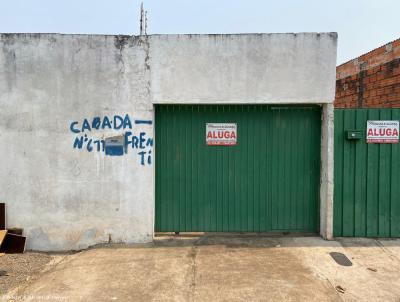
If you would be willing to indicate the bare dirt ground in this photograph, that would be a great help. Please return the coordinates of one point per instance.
(16, 269)
(213, 268)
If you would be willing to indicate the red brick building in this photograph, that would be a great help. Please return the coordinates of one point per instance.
(371, 80)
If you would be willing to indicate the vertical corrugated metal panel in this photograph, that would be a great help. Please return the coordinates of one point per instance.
(367, 178)
(269, 181)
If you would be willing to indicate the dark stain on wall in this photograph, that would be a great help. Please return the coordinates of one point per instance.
(7, 39)
(120, 41)
(10, 65)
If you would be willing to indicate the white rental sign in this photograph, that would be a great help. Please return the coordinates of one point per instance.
(382, 132)
(221, 134)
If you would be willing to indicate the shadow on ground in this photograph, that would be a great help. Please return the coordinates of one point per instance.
(251, 240)
(224, 267)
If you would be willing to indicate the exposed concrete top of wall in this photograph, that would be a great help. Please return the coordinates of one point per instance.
(243, 68)
(226, 68)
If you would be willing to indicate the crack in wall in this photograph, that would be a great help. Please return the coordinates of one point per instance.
(146, 44)
(120, 42)
(193, 255)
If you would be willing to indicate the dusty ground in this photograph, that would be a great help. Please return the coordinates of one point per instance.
(222, 268)
(16, 269)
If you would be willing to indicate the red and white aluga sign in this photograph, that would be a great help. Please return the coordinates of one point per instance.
(382, 132)
(221, 134)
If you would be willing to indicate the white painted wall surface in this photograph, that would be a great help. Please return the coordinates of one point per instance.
(68, 198)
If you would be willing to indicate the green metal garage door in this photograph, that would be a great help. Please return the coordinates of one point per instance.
(367, 177)
(268, 181)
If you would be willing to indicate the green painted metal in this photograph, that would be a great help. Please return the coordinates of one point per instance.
(269, 181)
(367, 178)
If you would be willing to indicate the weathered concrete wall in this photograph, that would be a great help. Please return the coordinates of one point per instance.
(59, 95)
(253, 68)
(68, 198)
(327, 167)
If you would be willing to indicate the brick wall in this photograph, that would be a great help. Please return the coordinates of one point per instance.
(371, 80)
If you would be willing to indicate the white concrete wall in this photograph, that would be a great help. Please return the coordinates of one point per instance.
(70, 198)
(327, 169)
(249, 68)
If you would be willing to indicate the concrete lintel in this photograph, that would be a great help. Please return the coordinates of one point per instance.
(327, 164)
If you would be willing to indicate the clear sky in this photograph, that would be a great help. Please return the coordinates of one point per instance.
(362, 25)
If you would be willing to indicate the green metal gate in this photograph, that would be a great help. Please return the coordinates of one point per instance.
(269, 181)
(367, 178)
